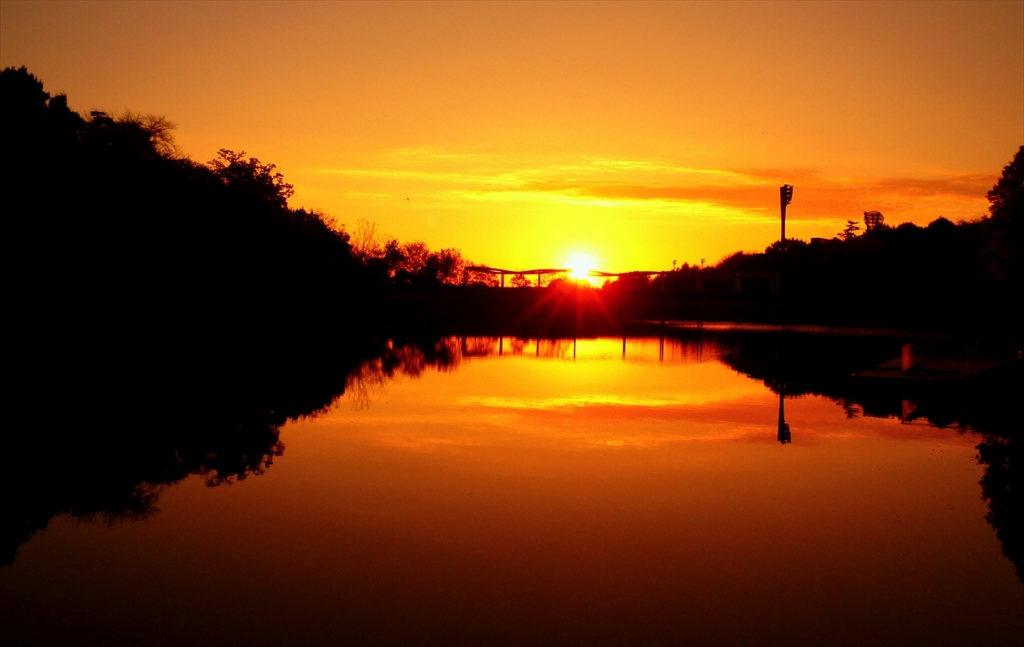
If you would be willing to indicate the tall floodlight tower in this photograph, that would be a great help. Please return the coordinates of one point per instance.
(873, 220)
(785, 197)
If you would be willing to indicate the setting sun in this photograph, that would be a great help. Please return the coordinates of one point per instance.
(581, 266)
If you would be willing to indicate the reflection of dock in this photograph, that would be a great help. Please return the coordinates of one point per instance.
(925, 364)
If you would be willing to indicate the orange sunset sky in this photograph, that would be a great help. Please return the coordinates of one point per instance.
(525, 134)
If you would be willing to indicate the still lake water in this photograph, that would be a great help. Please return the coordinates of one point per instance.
(550, 493)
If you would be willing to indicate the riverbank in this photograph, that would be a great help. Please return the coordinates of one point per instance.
(584, 311)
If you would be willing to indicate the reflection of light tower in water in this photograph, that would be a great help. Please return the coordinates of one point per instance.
(784, 435)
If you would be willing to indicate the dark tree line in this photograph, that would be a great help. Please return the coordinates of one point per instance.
(109, 227)
(111, 235)
(906, 264)
(386, 261)
(965, 274)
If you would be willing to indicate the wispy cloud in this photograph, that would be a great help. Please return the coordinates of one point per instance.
(509, 180)
(655, 184)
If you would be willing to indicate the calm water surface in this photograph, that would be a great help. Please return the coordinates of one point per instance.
(555, 493)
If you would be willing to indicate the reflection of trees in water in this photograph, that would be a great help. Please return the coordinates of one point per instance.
(822, 366)
(108, 445)
(409, 358)
(412, 358)
(107, 448)
(118, 472)
(1001, 486)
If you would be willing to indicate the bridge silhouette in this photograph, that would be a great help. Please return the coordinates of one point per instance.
(702, 275)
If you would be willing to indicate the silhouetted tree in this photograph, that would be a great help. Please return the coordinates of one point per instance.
(1005, 229)
(445, 266)
(483, 279)
(415, 257)
(776, 247)
(850, 231)
(158, 131)
(365, 239)
(251, 177)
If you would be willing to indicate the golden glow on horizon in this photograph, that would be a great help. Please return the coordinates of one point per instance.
(642, 132)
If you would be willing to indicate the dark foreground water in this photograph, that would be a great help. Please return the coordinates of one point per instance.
(551, 493)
